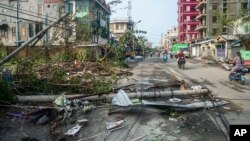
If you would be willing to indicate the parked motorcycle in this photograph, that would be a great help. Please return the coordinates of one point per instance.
(181, 63)
(239, 75)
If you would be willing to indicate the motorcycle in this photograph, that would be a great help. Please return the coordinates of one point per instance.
(171, 56)
(181, 63)
(239, 75)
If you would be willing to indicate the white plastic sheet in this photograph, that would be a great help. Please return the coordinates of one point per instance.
(74, 130)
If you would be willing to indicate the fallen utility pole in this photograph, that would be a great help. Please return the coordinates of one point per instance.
(50, 98)
(12, 54)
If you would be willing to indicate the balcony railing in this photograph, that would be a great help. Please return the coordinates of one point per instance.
(200, 5)
(200, 27)
(190, 3)
(201, 16)
(191, 12)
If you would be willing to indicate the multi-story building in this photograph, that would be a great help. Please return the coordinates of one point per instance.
(186, 20)
(210, 12)
(119, 26)
(32, 18)
(214, 34)
(171, 37)
(99, 17)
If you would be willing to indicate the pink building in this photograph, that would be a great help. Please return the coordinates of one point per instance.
(186, 20)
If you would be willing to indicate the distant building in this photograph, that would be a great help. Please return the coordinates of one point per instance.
(120, 26)
(171, 37)
(186, 20)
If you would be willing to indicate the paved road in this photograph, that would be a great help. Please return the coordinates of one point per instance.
(153, 69)
(216, 79)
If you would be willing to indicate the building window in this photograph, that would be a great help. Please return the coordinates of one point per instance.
(13, 29)
(4, 33)
(214, 31)
(71, 6)
(111, 27)
(224, 5)
(214, 19)
(193, 28)
(38, 28)
(31, 30)
(122, 26)
(225, 11)
(192, 18)
(224, 30)
(48, 6)
(193, 9)
(23, 31)
(244, 6)
(117, 27)
(215, 7)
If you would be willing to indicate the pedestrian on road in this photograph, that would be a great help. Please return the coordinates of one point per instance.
(237, 62)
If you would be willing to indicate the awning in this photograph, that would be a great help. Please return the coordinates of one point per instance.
(204, 42)
(236, 43)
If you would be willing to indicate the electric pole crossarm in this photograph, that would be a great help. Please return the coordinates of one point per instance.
(12, 54)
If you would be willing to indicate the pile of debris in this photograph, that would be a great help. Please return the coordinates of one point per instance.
(65, 117)
(71, 77)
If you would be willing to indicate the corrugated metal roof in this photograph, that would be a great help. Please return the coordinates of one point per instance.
(204, 42)
(121, 99)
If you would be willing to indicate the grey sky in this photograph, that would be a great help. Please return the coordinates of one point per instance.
(157, 16)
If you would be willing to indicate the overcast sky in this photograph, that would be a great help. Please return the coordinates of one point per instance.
(157, 16)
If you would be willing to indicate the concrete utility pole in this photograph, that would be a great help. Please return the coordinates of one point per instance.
(17, 24)
(46, 24)
(12, 54)
(248, 6)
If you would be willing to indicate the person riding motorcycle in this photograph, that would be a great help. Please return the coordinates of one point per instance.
(238, 63)
(180, 55)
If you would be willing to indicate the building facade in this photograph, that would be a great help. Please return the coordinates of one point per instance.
(171, 37)
(186, 20)
(120, 26)
(213, 17)
(34, 15)
(211, 13)
(30, 20)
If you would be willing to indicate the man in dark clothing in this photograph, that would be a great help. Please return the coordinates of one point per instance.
(180, 55)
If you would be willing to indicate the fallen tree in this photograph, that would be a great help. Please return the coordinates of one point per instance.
(50, 98)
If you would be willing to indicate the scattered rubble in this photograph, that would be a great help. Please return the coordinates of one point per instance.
(116, 124)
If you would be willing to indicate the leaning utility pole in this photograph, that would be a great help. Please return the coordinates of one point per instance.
(38, 36)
